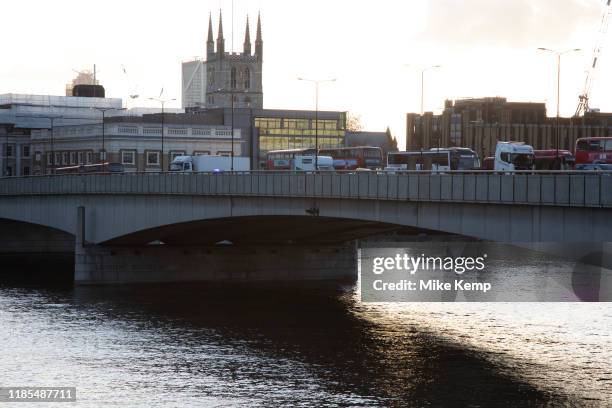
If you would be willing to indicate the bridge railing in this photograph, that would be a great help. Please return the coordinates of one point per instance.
(586, 188)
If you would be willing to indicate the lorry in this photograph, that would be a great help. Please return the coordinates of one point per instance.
(209, 164)
(553, 159)
(510, 156)
(550, 159)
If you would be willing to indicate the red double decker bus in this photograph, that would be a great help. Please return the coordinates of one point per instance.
(593, 150)
(351, 158)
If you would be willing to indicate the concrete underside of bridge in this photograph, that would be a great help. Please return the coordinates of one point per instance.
(272, 238)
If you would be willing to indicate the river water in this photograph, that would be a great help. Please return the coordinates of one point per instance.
(197, 345)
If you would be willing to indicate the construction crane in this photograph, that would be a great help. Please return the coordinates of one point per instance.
(583, 98)
(132, 91)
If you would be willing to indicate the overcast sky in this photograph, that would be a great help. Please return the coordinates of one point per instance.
(373, 48)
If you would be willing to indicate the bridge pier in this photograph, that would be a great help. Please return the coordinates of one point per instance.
(96, 264)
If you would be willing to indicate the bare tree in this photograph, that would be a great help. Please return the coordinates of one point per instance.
(353, 122)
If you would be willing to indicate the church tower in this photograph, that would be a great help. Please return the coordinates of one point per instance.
(236, 75)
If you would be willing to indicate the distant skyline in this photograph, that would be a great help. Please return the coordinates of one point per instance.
(484, 47)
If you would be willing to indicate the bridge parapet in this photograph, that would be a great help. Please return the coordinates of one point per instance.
(568, 189)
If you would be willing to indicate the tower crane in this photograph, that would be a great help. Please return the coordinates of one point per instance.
(583, 98)
(132, 91)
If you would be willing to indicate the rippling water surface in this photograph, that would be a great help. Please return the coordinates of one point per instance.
(196, 345)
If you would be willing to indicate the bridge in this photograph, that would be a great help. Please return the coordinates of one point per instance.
(282, 225)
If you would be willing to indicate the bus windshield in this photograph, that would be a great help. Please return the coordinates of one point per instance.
(594, 150)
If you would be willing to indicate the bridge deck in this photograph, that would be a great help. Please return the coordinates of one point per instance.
(580, 189)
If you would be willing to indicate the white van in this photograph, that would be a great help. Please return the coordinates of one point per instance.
(307, 163)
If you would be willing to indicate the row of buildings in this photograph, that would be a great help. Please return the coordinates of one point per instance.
(222, 114)
(479, 123)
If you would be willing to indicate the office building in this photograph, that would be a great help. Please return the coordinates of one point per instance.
(134, 141)
(479, 123)
(20, 114)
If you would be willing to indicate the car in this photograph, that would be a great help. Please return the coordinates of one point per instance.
(594, 166)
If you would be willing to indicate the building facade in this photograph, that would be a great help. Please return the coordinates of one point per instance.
(480, 123)
(263, 130)
(22, 114)
(136, 142)
(225, 79)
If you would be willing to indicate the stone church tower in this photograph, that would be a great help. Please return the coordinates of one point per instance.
(236, 75)
(211, 83)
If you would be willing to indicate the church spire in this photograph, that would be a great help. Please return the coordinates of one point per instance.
(220, 39)
(210, 42)
(258, 40)
(247, 39)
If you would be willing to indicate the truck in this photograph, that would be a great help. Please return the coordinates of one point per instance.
(510, 156)
(209, 164)
(553, 159)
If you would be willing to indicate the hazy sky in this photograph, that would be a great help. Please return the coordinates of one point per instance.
(373, 48)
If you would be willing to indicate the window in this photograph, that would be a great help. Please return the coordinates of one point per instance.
(8, 150)
(201, 153)
(590, 145)
(64, 158)
(26, 151)
(608, 146)
(152, 158)
(73, 158)
(37, 156)
(505, 157)
(26, 171)
(247, 78)
(211, 76)
(57, 159)
(151, 131)
(80, 157)
(130, 130)
(233, 78)
(88, 158)
(127, 157)
(224, 153)
(49, 159)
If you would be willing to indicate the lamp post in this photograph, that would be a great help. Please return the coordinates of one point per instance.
(423, 69)
(423, 84)
(103, 110)
(558, 54)
(316, 82)
(163, 103)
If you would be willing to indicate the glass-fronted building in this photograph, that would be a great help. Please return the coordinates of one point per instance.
(296, 133)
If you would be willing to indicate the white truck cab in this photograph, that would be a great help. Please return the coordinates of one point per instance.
(510, 156)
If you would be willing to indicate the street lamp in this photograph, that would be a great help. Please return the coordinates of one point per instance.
(423, 69)
(163, 102)
(316, 82)
(558, 54)
(103, 110)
